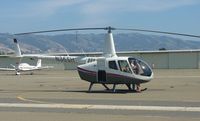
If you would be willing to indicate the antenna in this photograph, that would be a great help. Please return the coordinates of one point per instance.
(76, 36)
(65, 50)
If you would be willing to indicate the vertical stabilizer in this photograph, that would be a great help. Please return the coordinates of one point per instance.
(109, 47)
(39, 63)
(17, 48)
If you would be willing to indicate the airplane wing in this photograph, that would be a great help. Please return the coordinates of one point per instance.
(46, 67)
(7, 69)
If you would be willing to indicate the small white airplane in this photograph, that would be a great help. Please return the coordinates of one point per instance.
(23, 67)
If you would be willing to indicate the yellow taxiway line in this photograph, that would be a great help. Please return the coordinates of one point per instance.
(28, 100)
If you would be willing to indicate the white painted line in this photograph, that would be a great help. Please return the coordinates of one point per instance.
(161, 77)
(52, 77)
(103, 107)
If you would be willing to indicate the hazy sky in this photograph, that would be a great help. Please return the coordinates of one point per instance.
(166, 15)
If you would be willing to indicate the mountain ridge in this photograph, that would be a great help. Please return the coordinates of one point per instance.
(93, 43)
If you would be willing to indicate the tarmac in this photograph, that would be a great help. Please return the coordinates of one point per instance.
(173, 95)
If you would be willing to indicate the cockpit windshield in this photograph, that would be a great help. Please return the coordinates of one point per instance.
(139, 67)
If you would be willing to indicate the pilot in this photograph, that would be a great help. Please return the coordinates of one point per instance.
(135, 67)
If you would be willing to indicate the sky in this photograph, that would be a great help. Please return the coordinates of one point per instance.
(166, 15)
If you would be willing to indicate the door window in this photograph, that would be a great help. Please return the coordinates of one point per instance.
(112, 65)
(124, 67)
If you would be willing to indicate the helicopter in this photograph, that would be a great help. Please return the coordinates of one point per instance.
(114, 70)
(111, 69)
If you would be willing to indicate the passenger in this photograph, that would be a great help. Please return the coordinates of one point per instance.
(126, 69)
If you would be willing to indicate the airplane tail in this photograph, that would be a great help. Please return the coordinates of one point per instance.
(39, 63)
(17, 48)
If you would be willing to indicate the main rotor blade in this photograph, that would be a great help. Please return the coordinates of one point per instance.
(162, 32)
(60, 30)
(109, 29)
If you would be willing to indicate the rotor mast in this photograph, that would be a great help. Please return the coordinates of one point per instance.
(109, 47)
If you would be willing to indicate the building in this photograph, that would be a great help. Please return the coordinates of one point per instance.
(164, 59)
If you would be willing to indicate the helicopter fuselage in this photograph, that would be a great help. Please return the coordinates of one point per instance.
(116, 70)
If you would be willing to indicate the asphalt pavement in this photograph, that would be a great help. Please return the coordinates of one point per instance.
(62, 95)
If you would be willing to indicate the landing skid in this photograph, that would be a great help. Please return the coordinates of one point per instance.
(104, 85)
(131, 87)
(144, 89)
(141, 90)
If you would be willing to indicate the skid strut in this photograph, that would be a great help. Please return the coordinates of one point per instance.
(90, 87)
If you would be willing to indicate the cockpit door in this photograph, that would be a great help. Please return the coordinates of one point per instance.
(139, 67)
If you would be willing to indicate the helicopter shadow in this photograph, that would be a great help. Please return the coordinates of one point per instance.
(119, 91)
(28, 91)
